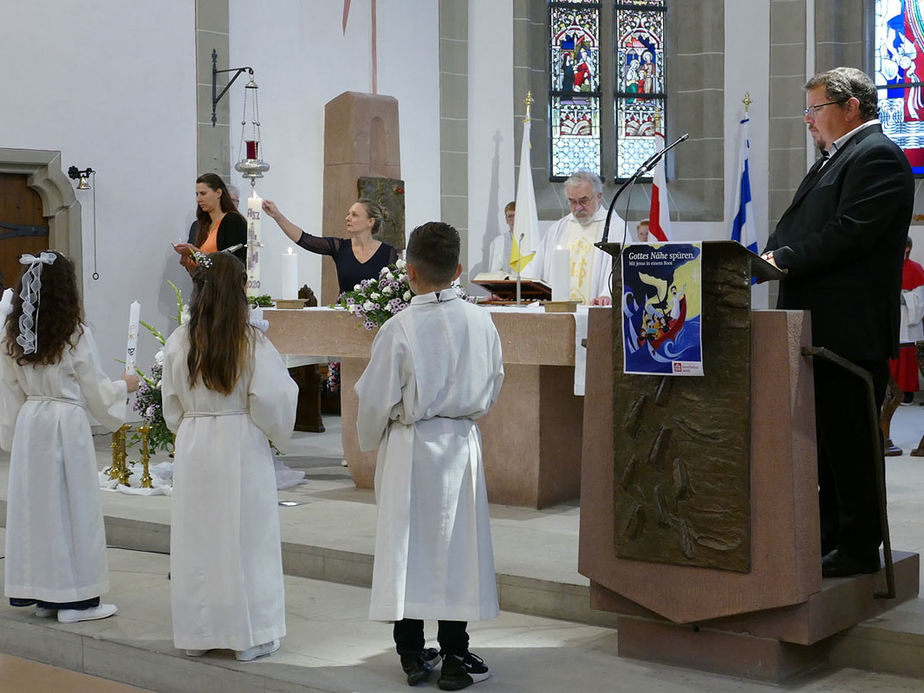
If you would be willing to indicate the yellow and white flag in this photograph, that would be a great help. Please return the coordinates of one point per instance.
(526, 220)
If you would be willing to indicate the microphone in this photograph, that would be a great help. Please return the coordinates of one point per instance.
(649, 164)
(657, 156)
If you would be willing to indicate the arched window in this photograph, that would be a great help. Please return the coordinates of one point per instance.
(574, 87)
(577, 48)
(898, 61)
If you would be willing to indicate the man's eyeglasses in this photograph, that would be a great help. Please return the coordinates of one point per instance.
(583, 202)
(817, 107)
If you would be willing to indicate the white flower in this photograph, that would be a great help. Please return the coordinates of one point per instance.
(387, 291)
(357, 287)
(400, 263)
(390, 277)
(352, 308)
(368, 306)
(375, 295)
(407, 295)
(184, 315)
(159, 358)
(384, 270)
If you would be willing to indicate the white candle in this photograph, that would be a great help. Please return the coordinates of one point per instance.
(560, 278)
(254, 210)
(134, 319)
(289, 275)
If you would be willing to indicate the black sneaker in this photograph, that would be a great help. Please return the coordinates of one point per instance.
(461, 671)
(418, 666)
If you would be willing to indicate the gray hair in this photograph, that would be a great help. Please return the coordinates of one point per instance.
(842, 83)
(579, 177)
(234, 191)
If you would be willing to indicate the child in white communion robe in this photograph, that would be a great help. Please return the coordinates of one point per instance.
(226, 392)
(435, 367)
(50, 378)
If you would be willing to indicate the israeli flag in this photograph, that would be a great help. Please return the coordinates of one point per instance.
(743, 229)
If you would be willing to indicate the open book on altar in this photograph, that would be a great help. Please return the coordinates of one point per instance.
(504, 285)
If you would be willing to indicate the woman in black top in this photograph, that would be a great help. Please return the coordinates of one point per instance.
(357, 257)
(218, 223)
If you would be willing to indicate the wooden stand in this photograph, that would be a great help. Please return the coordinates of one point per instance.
(308, 410)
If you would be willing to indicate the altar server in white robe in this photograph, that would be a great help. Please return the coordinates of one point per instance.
(590, 267)
(435, 367)
(225, 391)
(50, 378)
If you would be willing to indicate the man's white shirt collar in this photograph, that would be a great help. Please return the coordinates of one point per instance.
(844, 139)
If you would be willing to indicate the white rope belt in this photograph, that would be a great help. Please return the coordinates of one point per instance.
(63, 400)
(202, 414)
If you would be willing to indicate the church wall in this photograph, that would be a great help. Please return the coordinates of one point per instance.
(111, 85)
(491, 123)
(303, 59)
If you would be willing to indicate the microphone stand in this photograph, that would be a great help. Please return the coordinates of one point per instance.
(651, 162)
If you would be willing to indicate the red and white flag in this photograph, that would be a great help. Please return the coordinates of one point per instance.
(659, 221)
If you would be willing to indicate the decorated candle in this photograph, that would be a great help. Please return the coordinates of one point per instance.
(134, 320)
(254, 210)
(289, 275)
(560, 276)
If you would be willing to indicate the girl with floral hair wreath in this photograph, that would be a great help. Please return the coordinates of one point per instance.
(50, 379)
(225, 392)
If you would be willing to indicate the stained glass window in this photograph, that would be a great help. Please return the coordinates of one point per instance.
(574, 87)
(639, 95)
(899, 66)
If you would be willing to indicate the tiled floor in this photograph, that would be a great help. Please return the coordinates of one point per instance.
(22, 676)
(331, 646)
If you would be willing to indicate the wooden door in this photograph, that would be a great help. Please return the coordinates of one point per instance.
(23, 229)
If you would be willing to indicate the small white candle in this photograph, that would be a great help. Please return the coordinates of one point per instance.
(254, 210)
(289, 275)
(560, 278)
(134, 320)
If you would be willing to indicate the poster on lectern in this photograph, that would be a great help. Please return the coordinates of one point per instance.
(661, 308)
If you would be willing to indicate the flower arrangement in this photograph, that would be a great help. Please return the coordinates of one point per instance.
(148, 398)
(376, 300)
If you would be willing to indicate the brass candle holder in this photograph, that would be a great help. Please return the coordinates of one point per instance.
(146, 480)
(119, 469)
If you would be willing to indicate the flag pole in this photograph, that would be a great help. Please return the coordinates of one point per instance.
(519, 243)
(529, 102)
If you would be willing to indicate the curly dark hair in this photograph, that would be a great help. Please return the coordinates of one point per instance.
(204, 220)
(220, 336)
(60, 315)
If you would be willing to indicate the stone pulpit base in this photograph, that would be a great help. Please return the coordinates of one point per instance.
(779, 617)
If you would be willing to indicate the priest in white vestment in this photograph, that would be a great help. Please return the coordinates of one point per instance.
(225, 553)
(434, 368)
(590, 267)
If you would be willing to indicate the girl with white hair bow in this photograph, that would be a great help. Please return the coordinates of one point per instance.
(50, 378)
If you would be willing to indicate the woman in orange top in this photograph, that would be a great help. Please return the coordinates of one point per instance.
(219, 225)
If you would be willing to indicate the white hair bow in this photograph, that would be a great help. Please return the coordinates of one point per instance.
(31, 295)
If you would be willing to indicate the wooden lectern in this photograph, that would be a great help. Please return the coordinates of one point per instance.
(699, 502)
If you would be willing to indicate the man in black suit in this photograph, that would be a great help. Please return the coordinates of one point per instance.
(841, 244)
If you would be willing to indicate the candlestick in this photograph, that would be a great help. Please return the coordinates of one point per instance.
(254, 244)
(560, 277)
(134, 318)
(289, 275)
(146, 480)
